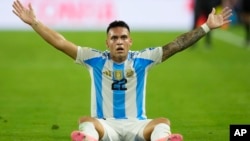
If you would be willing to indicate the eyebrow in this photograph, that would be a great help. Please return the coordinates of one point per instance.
(121, 36)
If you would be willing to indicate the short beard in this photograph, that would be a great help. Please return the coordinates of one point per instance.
(119, 58)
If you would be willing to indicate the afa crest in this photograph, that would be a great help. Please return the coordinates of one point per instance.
(118, 75)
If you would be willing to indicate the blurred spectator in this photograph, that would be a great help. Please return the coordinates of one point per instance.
(202, 8)
(244, 14)
(242, 9)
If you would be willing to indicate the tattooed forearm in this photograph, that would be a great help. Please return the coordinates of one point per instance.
(187, 39)
(182, 42)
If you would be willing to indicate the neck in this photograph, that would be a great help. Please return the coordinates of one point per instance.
(119, 59)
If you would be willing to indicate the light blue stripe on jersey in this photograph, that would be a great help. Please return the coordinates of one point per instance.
(97, 73)
(140, 86)
(119, 95)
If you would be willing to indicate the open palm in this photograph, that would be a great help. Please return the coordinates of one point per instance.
(25, 14)
(217, 20)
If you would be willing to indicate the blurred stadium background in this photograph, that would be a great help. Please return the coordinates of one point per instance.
(43, 93)
(96, 14)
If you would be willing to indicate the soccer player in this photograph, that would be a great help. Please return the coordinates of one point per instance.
(118, 78)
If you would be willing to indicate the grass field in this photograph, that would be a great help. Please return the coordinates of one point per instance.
(202, 91)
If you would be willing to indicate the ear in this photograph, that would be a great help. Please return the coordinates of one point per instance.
(130, 42)
(107, 44)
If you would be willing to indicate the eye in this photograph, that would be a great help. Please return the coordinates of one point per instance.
(124, 37)
(114, 38)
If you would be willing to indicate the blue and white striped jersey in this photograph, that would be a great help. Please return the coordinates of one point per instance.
(118, 89)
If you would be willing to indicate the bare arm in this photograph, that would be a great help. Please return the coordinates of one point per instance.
(187, 39)
(52, 37)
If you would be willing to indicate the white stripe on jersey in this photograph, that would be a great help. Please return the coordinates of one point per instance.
(118, 90)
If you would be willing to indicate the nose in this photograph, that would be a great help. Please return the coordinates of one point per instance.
(119, 41)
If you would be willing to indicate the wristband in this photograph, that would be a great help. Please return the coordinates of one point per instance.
(205, 27)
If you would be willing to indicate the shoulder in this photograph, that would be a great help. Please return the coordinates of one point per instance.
(150, 51)
(85, 53)
(152, 54)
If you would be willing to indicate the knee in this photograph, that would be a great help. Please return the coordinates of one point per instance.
(98, 126)
(86, 119)
(162, 120)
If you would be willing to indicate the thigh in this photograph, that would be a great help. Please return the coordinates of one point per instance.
(110, 131)
(133, 130)
(124, 130)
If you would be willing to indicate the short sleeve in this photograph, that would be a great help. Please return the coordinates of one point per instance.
(154, 54)
(85, 53)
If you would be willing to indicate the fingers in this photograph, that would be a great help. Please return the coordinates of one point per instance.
(226, 12)
(15, 13)
(226, 9)
(213, 11)
(30, 7)
(16, 10)
(18, 7)
(227, 21)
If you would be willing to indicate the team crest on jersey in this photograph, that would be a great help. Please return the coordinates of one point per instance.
(118, 75)
(129, 73)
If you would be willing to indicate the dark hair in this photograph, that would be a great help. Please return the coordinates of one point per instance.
(117, 23)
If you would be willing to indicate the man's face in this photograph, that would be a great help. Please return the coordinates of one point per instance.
(119, 42)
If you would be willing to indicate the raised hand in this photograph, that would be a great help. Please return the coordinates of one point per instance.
(217, 20)
(25, 14)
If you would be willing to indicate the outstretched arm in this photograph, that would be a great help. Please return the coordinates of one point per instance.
(187, 39)
(55, 39)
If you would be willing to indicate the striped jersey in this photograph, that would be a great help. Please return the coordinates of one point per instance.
(118, 89)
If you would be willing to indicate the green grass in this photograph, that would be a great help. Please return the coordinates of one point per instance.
(202, 91)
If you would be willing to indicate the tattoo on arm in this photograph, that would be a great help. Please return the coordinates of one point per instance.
(182, 42)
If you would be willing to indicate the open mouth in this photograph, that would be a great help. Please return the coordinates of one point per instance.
(119, 49)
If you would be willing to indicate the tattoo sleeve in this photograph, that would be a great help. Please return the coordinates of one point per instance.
(182, 42)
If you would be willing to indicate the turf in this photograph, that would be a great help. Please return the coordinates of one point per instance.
(43, 92)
